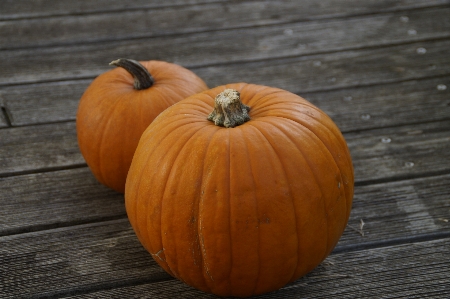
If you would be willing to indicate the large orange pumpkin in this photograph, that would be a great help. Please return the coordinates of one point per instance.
(118, 106)
(245, 203)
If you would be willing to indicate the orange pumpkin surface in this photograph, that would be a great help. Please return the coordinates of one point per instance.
(118, 106)
(246, 209)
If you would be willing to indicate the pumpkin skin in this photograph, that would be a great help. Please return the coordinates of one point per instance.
(240, 211)
(112, 115)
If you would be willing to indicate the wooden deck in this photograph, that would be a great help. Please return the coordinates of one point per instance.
(379, 68)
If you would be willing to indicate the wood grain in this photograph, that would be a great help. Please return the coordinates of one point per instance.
(411, 271)
(285, 10)
(54, 146)
(250, 44)
(43, 103)
(59, 198)
(145, 23)
(410, 152)
(53, 102)
(354, 68)
(20, 9)
(390, 210)
(404, 210)
(86, 258)
(39, 148)
(387, 105)
(74, 258)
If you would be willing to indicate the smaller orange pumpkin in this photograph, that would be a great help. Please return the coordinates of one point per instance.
(118, 106)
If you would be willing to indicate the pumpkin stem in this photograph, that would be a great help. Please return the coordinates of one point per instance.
(142, 78)
(229, 111)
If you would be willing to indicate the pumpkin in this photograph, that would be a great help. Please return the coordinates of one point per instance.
(240, 189)
(118, 106)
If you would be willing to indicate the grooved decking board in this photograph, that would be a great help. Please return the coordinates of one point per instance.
(412, 271)
(284, 10)
(38, 148)
(345, 69)
(59, 198)
(410, 101)
(387, 105)
(398, 210)
(43, 103)
(240, 45)
(32, 149)
(98, 28)
(106, 255)
(410, 152)
(77, 257)
(44, 8)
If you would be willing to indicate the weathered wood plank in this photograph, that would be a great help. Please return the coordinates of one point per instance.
(410, 152)
(250, 44)
(345, 69)
(43, 103)
(99, 28)
(386, 105)
(105, 255)
(20, 9)
(400, 152)
(413, 271)
(60, 198)
(74, 258)
(52, 102)
(398, 210)
(38, 148)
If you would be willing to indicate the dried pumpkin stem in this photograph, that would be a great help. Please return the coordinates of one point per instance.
(142, 78)
(228, 110)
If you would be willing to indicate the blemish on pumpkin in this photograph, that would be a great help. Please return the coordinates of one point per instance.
(158, 253)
